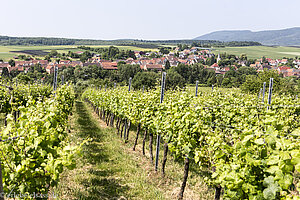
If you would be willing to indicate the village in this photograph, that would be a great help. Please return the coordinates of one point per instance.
(156, 61)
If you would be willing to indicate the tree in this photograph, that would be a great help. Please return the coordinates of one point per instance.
(146, 79)
(167, 65)
(113, 51)
(127, 71)
(69, 74)
(11, 62)
(121, 63)
(183, 70)
(83, 58)
(252, 84)
(14, 73)
(152, 55)
(5, 72)
(195, 73)
(174, 80)
(211, 60)
(53, 53)
(164, 50)
(130, 54)
(243, 57)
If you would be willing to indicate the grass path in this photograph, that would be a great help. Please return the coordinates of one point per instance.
(109, 169)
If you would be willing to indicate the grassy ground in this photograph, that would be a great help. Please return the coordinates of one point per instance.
(109, 169)
(259, 51)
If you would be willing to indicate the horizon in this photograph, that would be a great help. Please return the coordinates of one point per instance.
(54, 37)
(133, 19)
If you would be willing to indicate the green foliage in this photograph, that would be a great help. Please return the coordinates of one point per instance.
(127, 71)
(20, 95)
(24, 78)
(146, 79)
(33, 160)
(167, 65)
(5, 72)
(253, 83)
(211, 60)
(110, 53)
(174, 80)
(11, 62)
(165, 50)
(53, 53)
(250, 149)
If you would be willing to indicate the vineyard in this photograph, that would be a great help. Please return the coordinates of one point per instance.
(248, 146)
(244, 146)
(34, 146)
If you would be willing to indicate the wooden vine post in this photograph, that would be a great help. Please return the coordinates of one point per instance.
(144, 141)
(186, 164)
(218, 193)
(137, 136)
(185, 176)
(163, 165)
(127, 122)
(163, 82)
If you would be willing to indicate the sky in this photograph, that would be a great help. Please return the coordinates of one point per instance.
(142, 19)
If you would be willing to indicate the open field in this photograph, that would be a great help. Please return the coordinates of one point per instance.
(8, 52)
(124, 47)
(259, 51)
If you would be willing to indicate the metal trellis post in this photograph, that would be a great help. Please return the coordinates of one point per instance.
(197, 82)
(163, 82)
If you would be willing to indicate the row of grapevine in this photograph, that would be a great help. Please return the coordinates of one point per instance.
(249, 149)
(34, 148)
(11, 97)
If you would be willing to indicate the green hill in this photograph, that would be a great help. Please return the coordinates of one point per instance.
(284, 37)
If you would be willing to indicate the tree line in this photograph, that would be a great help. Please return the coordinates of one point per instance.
(246, 78)
(7, 40)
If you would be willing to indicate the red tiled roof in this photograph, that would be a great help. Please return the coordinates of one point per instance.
(283, 68)
(226, 68)
(154, 66)
(109, 65)
(215, 65)
(4, 65)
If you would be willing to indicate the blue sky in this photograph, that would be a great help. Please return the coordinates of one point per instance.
(141, 19)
